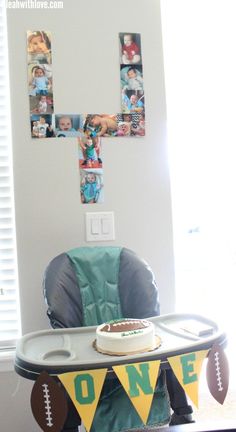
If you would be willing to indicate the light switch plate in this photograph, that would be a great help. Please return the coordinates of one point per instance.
(100, 226)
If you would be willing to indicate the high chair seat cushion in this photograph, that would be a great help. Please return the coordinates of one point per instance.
(129, 286)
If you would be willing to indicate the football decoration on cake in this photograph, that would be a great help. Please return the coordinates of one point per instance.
(218, 373)
(125, 325)
(126, 336)
(48, 404)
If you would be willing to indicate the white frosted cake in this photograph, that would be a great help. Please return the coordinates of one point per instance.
(126, 336)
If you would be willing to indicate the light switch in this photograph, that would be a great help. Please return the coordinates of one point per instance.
(95, 226)
(100, 226)
(105, 225)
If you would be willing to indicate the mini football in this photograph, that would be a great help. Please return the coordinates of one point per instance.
(48, 403)
(217, 373)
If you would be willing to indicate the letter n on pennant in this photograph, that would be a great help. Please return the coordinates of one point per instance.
(139, 381)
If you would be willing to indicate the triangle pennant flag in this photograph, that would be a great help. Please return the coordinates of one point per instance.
(84, 389)
(139, 381)
(187, 369)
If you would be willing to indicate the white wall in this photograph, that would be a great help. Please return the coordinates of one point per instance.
(49, 215)
(15, 411)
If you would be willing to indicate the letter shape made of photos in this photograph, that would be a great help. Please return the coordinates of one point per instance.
(87, 128)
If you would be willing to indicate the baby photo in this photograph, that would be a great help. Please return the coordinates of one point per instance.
(40, 58)
(132, 101)
(90, 152)
(38, 42)
(41, 126)
(40, 79)
(69, 125)
(130, 48)
(41, 104)
(91, 186)
(131, 78)
(131, 124)
(138, 125)
(124, 125)
(98, 125)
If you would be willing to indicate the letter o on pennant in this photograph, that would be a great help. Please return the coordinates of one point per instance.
(84, 389)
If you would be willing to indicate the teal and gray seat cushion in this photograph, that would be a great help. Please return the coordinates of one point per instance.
(91, 285)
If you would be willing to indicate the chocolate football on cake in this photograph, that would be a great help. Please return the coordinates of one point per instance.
(126, 336)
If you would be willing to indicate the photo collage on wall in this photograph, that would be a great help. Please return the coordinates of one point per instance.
(91, 169)
(87, 128)
(40, 83)
(132, 118)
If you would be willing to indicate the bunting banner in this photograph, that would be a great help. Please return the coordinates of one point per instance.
(187, 369)
(139, 381)
(84, 389)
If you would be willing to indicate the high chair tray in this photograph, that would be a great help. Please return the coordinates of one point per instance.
(70, 349)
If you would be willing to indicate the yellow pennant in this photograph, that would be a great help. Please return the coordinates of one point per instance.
(84, 389)
(139, 381)
(187, 369)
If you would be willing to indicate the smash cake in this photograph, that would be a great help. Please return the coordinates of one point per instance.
(126, 336)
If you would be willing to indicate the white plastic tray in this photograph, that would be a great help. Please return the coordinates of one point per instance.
(63, 350)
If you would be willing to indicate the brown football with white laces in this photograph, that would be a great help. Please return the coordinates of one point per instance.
(218, 373)
(48, 404)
